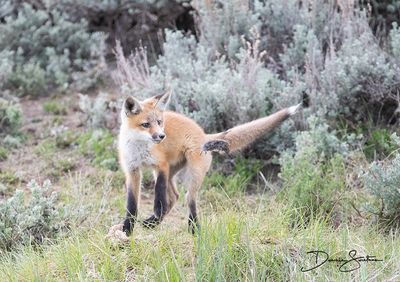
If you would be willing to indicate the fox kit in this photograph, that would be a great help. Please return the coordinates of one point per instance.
(167, 142)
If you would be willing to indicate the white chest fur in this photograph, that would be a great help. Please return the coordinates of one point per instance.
(135, 148)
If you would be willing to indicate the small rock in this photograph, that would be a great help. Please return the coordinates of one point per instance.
(116, 235)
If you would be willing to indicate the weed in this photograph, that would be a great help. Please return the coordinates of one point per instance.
(10, 117)
(46, 149)
(379, 144)
(31, 221)
(3, 153)
(66, 138)
(313, 189)
(238, 182)
(96, 110)
(9, 178)
(61, 167)
(229, 247)
(54, 107)
(99, 145)
(382, 179)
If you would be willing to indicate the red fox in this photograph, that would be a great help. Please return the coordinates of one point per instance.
(151, 136)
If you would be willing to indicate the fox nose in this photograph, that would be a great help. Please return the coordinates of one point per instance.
(157, 137)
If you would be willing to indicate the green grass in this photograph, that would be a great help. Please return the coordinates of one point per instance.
(238, 181)
(55, 108)
(249, 240)
(46, 149)
(379, 144)
(315, 189)
(242, 237)
(3, 153)
(99, 146)
(227, 249)
(9, 177)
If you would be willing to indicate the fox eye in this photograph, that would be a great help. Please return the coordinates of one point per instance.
(145, 125)
(159, 122)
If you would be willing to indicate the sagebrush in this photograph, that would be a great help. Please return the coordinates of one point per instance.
(382, 179)
(26, 219)
(43, 50)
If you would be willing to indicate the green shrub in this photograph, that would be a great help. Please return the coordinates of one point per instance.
(10, 117)
(12, 141)
(360, 81)
(383, 14)
(383, 181)
(314, 177)
(10, 123)
(283, 23)
(318, 56)
(99, 146)
(218, 93)
(95, 110)
(313, 189)
(134, 22)
(45, 51)
(25, 221)
(54, 107)
(66, 138)
(236, 181)
(380, 144)
(9, 178)
(46, 149)
(223, 24)
(3, 153)
(394, 40)
(288, 53)
(323, 140)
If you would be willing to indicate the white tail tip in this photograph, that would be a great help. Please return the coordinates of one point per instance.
(293, 109)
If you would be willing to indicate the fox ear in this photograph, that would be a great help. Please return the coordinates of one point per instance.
(163, 99)
(132, 106)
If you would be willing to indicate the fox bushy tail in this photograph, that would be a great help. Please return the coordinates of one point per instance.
(243, 135)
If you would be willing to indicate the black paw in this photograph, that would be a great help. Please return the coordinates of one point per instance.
(215, 146)
(194, 226)
(151, 222)
(128, 226)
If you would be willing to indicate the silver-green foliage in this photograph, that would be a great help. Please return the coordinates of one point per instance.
(26, 220)
(383, 181)
(314, 177)
(288, 51)
(96, 110)
(331, 55)
(43, 50)
(10, 117)
(222, 24)
(394, 40)
(218, 93)
(359, 71)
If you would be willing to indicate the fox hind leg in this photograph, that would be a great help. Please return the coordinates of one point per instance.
(173, 194)
(197, 170)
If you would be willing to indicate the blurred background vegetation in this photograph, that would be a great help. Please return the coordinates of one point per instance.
(66, 65)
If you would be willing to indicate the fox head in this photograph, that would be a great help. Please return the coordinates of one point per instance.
(146, 117)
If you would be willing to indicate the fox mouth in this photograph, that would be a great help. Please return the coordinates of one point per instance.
(156, 141)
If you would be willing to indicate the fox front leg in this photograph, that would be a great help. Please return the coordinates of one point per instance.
(160, 202)
(133, 182)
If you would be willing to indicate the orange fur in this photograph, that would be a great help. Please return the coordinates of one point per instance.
(181, 148)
